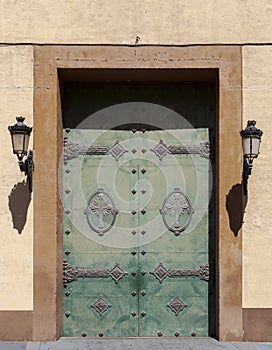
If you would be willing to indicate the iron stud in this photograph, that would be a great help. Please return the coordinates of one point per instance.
(84, 334)
(143, 191)
(143, 252)
(133, 150)
(133, 273)
(133, 212)
(143, 211)
(100, 334)
(143, 273)
(134, 232)
(67, 313)
(143, 232)
(159, 334)
(143, 292)
(134, 293)
(143, 171)
(193, 334)
(67, 252)
(67, 232)
(177, 334)
(67, 293)
(134, 171)
(133, 252)
(143, 313)
(133, 191)
(133, 313)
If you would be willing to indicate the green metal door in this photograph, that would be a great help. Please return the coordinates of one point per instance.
(136, 227)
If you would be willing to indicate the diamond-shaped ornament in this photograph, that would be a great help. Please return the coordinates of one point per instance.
(160, 150)
(160, 272)
(117, 150)
(101, 306)
(176, 305)
(117, 273)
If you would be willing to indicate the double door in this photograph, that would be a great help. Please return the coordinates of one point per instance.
(135, 233)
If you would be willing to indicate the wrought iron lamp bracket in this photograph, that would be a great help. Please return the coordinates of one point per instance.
(247, 169)
(27, 167)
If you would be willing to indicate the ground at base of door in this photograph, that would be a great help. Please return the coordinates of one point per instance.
(136, 344)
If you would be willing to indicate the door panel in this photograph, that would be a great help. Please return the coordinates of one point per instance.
(136, 228)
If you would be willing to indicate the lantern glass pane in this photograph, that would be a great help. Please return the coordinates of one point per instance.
(20, 143)
(255, 147)
(246, 146)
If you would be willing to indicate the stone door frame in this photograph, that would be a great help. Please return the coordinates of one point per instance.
(52, 64)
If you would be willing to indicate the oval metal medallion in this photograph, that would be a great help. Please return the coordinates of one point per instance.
(177, 211)
(100, 212)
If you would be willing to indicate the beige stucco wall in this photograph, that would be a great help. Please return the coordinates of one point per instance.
(16, 91)
(155, 22)
(119, 22)
(257, 230)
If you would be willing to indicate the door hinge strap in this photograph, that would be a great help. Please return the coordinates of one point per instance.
(72, 273)
(201, 272)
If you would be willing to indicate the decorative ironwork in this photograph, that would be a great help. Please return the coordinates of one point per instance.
(101, 305)
(176, 305)
(73, 150)
(177, 204)
(161, 272)
(100, 205)
(72, 273)
(202, 149)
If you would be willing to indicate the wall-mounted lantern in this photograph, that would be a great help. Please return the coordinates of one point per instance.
(20, 134)
(251, 139)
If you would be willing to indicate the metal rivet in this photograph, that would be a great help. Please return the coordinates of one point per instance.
(143, 171)
(134, 171)
(159, 334)
(193, 334)
(133, 212)
(133, 273)
(143, 150)
(143, 273)
(143, 232)
(100, 334)
(133, 252)
(133, 130)
(67, 293)
(143, 130)
(177, 334)
(134, 150)
(143, 292)
(177, 233)
(67, 314)
(65, 162)
(67, 130)
(133, 191)
(143, 313)
(134, 293)
(143, 252)
(67, 211)
(67, 252)
(67, 232)
(84, 334)
(143, 211)
(143, 191)
(133, 313)
(67, 171)
(67, 191)
(134, 232)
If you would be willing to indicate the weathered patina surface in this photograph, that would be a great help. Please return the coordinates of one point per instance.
(135, 233)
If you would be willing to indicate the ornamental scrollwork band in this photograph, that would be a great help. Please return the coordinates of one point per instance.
(201, 272)
(72, 273)
(202, 149)
(73, 150)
